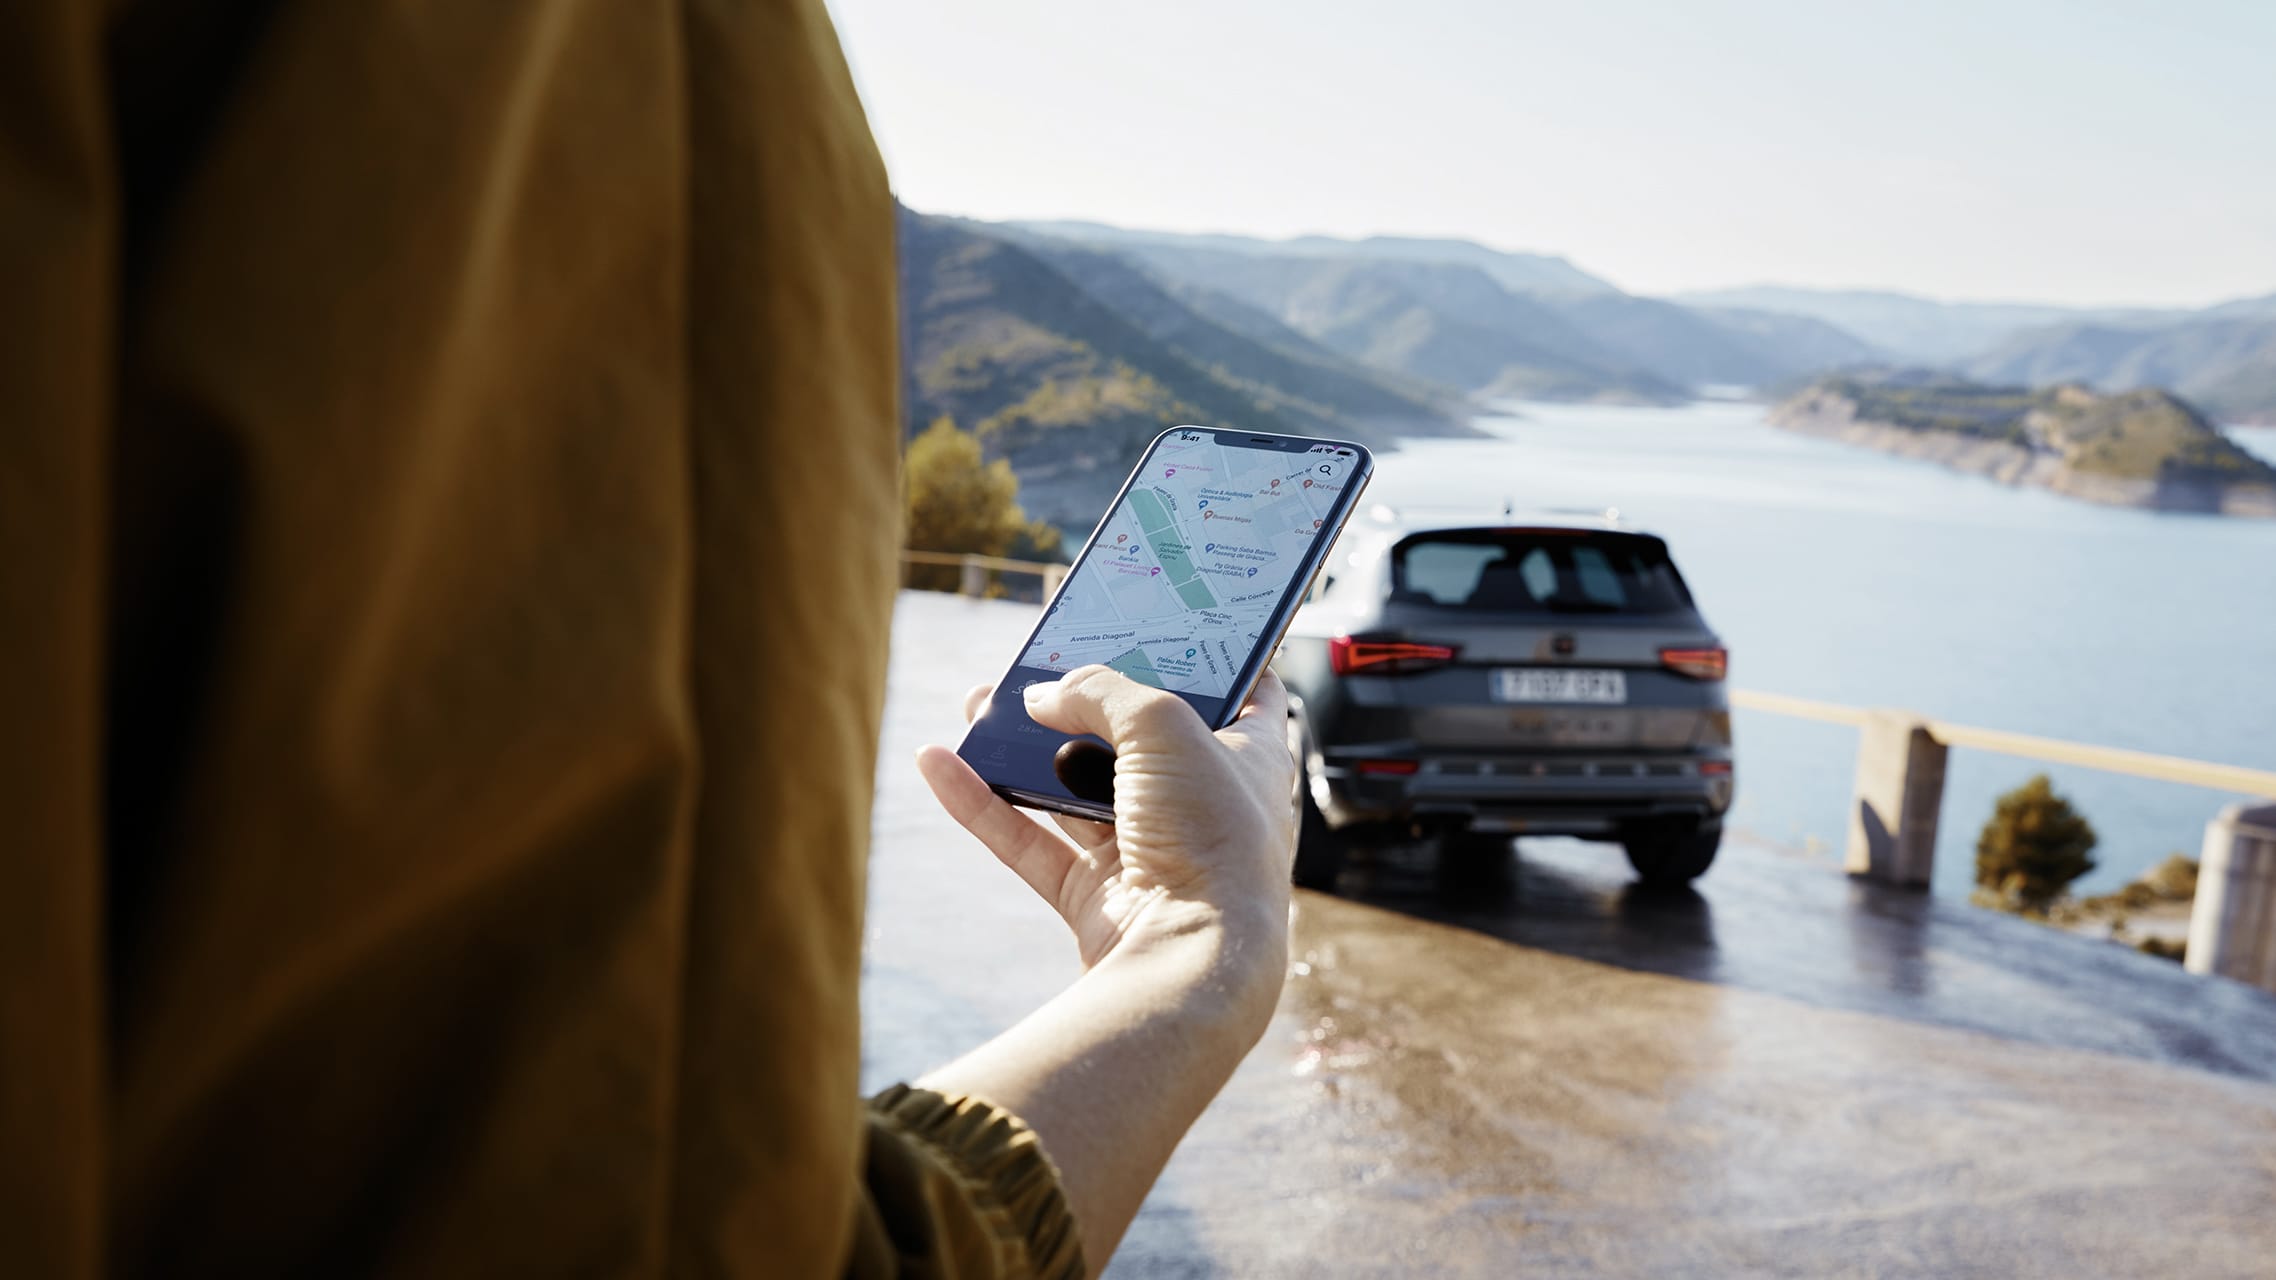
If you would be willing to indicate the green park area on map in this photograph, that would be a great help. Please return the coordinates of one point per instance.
(1169, 550)
(1138, 667)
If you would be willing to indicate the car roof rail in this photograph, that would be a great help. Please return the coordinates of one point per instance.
(1609, 515)
(1384, 513)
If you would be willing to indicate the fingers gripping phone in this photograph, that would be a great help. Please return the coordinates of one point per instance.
(1188, 584)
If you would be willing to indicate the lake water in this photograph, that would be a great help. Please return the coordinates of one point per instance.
(1846, 575)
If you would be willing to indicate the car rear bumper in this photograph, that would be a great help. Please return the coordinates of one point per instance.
(1562, 795)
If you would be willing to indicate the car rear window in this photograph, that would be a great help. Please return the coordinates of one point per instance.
(1505, 571)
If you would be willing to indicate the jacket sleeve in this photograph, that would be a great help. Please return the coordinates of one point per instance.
(431, 433)
(956, 1187)
(58, 208)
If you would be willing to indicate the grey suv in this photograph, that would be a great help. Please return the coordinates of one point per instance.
(1475, 681)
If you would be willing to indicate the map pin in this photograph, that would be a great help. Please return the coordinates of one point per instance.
(1054, 657)
(1209, 515)
(1276, 484)
(1167, 472)
(1124, 537)
(1307, 484)
(1315, 524)
(1154, 572)
(1211, 547)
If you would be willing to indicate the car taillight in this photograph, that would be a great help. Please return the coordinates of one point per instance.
(1385, 657)
(1388, 768)
(1699, 664)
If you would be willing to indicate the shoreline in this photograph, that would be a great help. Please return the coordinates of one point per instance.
(2020, 467)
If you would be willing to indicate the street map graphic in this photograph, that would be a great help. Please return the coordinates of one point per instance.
(1185, 573)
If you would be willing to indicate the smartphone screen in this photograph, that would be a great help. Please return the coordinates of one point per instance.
(1187, 585)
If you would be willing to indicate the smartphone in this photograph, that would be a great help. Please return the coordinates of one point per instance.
(1188, 585)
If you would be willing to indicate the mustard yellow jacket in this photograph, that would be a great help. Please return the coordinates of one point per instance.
(447, 536)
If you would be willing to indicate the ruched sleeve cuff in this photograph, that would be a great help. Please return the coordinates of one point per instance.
(957, 1187)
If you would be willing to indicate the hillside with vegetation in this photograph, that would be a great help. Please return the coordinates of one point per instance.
(1913, 330)
(1697, 348)
(1065, 364)
(1064, 347)
(2222, 358)
(1482, 320)
(2141, 448)
(2225, 364)
(1442, 322)
(1488, 323)
(1304, 379)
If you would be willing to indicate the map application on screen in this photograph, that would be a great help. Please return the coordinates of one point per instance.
(1183, 578)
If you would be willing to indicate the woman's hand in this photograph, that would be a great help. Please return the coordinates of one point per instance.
(1204, 825)
(1180, 908)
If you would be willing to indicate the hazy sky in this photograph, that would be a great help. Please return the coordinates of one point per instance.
(2090, 151)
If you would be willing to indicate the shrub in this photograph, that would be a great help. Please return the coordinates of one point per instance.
(2174, 879)
(953, 501)
(2163, 950)
(2033, 847)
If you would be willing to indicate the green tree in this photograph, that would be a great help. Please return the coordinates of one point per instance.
(2033, 847)
(954, 501)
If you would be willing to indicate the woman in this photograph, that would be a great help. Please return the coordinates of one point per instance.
(446, 551)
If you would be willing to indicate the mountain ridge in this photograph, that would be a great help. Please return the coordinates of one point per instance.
(1441, 310)
(1532, 272)
(1069, 385)
(1910, 326)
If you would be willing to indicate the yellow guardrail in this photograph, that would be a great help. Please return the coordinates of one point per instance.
(2235, 779)
(998, 563)
(975, 570)
(1799, 708)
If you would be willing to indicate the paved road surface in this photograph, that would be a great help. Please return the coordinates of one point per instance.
(1536, 1070)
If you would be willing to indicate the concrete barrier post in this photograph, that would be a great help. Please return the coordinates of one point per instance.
(2232, 923)
(1900, 792)
(975, 577)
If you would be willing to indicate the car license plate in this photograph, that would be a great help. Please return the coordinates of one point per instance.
(1534, 685)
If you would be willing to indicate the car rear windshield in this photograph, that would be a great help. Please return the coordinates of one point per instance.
(1523, 571)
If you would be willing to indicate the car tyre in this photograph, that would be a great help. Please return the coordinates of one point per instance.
(1320, 848)
(1672, 855)
(1472, 862)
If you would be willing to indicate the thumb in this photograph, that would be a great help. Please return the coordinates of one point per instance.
(1105, 702)
(1265, 718)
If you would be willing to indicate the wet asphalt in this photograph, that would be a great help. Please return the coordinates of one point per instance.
(1530, 1067)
